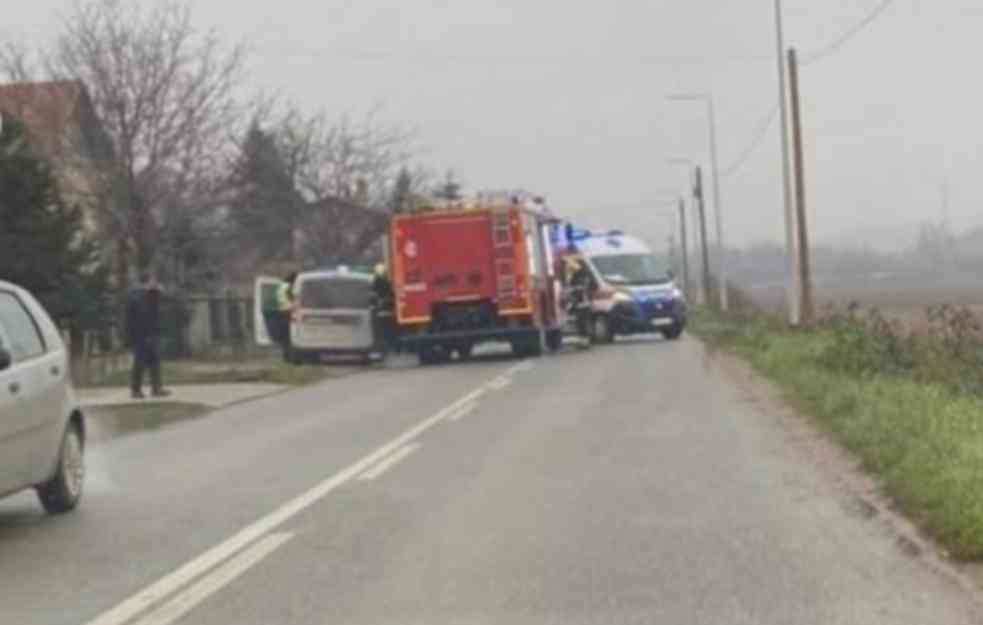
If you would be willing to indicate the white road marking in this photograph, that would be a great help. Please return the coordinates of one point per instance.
(523, 366)
(463, 411)
(185, 574)
(500, 383)
(218, 578)
(389, 462)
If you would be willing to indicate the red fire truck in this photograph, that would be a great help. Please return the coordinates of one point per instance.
(469, 273)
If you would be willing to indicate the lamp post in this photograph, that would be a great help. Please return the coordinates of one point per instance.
(707, 99)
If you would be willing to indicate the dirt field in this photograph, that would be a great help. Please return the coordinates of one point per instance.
(905, 302)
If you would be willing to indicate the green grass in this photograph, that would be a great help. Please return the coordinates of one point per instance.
(260, 372)
(924, 441)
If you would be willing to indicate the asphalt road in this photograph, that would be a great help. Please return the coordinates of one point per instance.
(632, 484)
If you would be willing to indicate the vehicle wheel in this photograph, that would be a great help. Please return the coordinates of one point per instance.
(601, 331)
(554, 340)
(61, 494)
(464, 351)
(432, 355)
(672, 333)
(426, 356)
(293, 356)
(527, 348)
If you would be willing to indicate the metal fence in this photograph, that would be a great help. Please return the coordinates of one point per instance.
(193, 327)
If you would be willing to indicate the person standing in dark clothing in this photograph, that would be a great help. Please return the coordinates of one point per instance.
(144, 330)
(384, 310)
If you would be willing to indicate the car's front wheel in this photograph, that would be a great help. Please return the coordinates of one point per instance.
(63, 491)
(673, 333)
(601, 330)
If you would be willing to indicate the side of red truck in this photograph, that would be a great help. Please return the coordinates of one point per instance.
(465, 276)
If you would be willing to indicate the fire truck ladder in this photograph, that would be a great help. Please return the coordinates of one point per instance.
(504, 251)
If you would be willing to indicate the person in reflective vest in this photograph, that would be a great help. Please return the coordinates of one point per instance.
(285, 305)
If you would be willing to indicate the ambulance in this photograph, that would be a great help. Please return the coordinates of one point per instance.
(630, 290)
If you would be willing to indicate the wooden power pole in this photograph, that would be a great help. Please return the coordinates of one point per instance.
(698, 196)
(805, 266)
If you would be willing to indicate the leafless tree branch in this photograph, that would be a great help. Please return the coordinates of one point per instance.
(166, 94)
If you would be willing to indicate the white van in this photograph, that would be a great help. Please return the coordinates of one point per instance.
(332, 315)
(633, 292)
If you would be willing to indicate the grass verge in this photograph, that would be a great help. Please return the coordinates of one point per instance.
(256, 372)
(923, 440)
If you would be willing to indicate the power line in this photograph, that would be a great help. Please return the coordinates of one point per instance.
(436, 58)
(840, 41)
(758, 137)
(814, 57)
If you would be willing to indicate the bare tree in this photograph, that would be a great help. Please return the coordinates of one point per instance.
(345, 171)
(337, 155)
(166, 94)
(16, 61)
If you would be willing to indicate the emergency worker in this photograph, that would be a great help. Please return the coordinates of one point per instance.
(384, 309)
(284, 305)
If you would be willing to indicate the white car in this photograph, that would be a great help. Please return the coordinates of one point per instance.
(42, 430)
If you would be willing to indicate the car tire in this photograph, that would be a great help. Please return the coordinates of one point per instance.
(432, 355)
(528, 347)
(672, 333)
(601, 330)
(465, 351)
(63, 491)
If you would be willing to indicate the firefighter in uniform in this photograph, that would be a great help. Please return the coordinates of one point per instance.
(578, 288)
(384, 310)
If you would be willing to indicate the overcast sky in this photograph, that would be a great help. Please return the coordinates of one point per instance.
(568, 99)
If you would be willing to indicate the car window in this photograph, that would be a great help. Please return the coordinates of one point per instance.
(20, 328)
(335, 293)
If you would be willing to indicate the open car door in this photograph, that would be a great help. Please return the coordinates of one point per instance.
(264, 308)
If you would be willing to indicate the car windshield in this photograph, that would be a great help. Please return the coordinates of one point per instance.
(630, 269)
(335, 293)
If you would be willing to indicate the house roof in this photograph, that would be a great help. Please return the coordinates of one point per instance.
(47, 109)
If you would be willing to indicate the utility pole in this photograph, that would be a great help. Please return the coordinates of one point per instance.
(698, 196)
(792, 286)
(684, 246)
(805, 266)
(947, 247)
(718, 210)
(671, 240)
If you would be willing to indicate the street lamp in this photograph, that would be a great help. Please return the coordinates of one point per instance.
(707, 99)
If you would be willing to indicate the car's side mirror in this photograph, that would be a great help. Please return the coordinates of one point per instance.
(6, 359)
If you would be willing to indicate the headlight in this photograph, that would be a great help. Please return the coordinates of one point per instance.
(676, 293)
(621, 297)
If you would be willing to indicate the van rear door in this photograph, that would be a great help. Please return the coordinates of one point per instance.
(264, 307)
